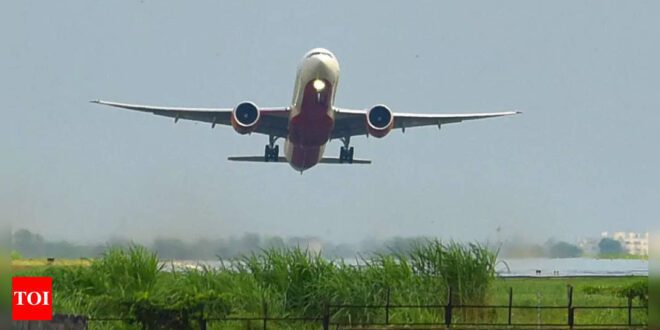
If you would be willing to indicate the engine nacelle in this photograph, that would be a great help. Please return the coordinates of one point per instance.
(380, 121)
(245, 117)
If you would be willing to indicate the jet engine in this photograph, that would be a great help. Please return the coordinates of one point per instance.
(245, 117)
(380, 121)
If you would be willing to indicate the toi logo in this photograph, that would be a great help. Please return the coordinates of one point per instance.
(32, 298)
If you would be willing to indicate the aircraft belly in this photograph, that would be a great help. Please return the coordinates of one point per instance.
(302, 157)
(310, 126)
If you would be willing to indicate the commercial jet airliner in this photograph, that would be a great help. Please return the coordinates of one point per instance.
(311, 120)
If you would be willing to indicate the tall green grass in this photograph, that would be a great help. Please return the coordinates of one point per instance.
(131, 283)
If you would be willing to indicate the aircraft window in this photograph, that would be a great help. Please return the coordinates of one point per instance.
(318, 53)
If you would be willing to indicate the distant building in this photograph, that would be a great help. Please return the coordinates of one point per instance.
(633, 243)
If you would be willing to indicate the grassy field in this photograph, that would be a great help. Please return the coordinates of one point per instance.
(296, 283)
(28, 264)
(553, 291)
(587, 292)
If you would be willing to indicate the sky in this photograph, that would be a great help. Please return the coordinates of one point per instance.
(580, 160)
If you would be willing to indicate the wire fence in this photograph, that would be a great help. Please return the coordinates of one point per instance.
(440, 316)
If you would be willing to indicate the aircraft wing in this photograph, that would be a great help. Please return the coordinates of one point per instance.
(274, 121)
(350, 122)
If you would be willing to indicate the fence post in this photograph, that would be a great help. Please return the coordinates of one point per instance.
(510, 303)
(630, 303)
(202, 319)
(448, 309)
(265, 316)
(387, 307)
(326, 316)
(571, 310)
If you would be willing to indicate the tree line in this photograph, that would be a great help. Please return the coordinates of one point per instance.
(607, 247)
(26, 244)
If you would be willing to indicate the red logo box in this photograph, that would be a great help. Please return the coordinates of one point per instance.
(32, 298)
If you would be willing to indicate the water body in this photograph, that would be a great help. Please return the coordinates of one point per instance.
(572, 267)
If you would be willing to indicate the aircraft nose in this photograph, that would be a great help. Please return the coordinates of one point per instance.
(323, 63)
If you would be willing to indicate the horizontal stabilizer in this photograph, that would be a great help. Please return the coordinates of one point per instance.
(260, 159)
(255, 159)
(336, 161)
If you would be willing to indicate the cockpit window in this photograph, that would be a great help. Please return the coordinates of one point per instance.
(319, 52)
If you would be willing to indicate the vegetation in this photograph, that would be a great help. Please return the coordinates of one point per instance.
(18, 264)
(15, 255)
(522, 250)
(131, 283)
(610, 247)
(551, 249)
(554, 292)
(654, 304)
(30, 245)
(564, 250)
(638, 290)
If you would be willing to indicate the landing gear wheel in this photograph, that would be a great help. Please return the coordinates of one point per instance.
(346, 155)
(271, 154)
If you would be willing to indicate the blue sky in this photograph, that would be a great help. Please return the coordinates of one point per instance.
(581, 159)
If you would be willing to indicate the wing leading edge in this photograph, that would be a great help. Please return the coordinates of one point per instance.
(274, 121)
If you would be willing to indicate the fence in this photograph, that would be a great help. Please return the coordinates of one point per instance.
(451, 315)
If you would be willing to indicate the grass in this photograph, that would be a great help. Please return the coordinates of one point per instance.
(293, 282)
(554, 292)
(19, 264)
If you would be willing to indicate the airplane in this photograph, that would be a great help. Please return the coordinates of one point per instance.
(312, 119)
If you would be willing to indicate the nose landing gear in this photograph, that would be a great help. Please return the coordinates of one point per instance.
(346, 152)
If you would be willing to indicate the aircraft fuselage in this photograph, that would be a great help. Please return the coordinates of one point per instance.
(311, 118)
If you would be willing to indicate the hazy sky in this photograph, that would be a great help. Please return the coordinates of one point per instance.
(583, 158)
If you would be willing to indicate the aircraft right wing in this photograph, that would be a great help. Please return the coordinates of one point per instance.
(351, 122)
(274, 121)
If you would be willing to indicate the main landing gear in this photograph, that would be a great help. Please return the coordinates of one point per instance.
(272, 151)
(346, 152)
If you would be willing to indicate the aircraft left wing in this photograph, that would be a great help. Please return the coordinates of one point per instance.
(274, 121)
(350, 122)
